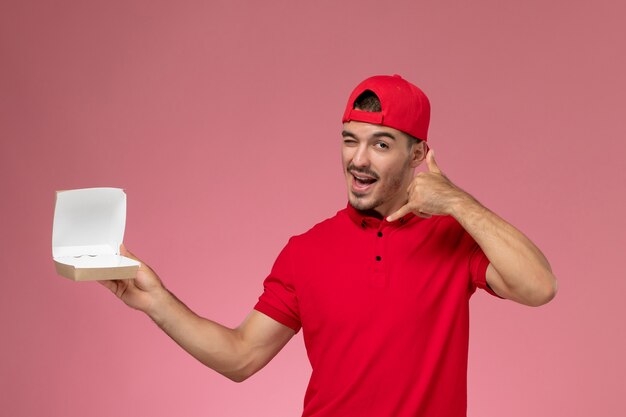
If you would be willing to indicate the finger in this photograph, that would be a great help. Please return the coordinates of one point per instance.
(424, 215)
(111, 285)
(125, 252)
(432, 164)
(399, 213)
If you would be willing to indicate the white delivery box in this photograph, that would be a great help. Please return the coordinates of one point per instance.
(87, 232)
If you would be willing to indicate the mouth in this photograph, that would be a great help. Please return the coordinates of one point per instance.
(361, 183)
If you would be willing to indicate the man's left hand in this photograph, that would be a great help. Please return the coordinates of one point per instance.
(430, 193)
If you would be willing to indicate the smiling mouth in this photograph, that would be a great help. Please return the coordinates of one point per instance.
(361, 182)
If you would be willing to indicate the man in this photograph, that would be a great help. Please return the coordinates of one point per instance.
(381, 289)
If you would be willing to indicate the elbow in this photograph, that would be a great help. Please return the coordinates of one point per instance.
(238, 377)
(545, 292)
(242, 371)
(239, 364)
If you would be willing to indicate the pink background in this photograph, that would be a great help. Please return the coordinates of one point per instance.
(220, 119)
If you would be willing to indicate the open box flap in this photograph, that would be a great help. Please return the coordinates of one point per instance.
(88, 222)
(87, 231)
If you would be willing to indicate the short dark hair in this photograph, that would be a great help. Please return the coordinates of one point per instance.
(369, 101)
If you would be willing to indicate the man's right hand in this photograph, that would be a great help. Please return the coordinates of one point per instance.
(235, 353)
(143, 291)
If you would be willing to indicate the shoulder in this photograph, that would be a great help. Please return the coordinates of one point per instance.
(325, 229)
(436, 230)
(447, 224)
(434, 224)
(450, 232)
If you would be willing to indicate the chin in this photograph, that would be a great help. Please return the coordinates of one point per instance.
(362, 203)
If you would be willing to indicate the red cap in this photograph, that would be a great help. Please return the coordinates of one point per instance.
(404, 106)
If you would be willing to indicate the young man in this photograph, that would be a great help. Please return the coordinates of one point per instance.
(381, 289)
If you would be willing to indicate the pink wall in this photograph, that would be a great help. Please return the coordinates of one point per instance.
(221, 121)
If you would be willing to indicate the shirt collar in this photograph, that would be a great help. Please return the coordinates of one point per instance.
(371, 218)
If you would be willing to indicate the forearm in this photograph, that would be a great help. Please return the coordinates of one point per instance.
(524, 273)
(216, 346)
(518, 270)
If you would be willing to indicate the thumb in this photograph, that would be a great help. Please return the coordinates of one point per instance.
(432, 164)
(401, 212)
(125, 252)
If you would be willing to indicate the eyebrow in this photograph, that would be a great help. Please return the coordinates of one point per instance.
(384, 135)
(346, 133)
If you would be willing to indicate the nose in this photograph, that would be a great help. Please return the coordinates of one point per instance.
(361, 157)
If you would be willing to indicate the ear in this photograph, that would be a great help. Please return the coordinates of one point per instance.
(418, 153)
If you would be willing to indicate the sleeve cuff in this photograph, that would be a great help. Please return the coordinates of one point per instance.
(278, 315)
(480, 274)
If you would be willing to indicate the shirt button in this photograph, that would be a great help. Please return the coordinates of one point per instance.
(380, 234)
(378, 258)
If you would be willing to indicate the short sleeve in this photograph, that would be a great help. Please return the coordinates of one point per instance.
(279, 300)
(478, 264)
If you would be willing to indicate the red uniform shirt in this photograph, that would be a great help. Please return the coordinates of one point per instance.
(384, 312)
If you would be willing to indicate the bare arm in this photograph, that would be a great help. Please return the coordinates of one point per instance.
(518, 270)
(235, 353)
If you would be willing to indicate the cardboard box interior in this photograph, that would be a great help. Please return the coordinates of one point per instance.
(87, 231)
